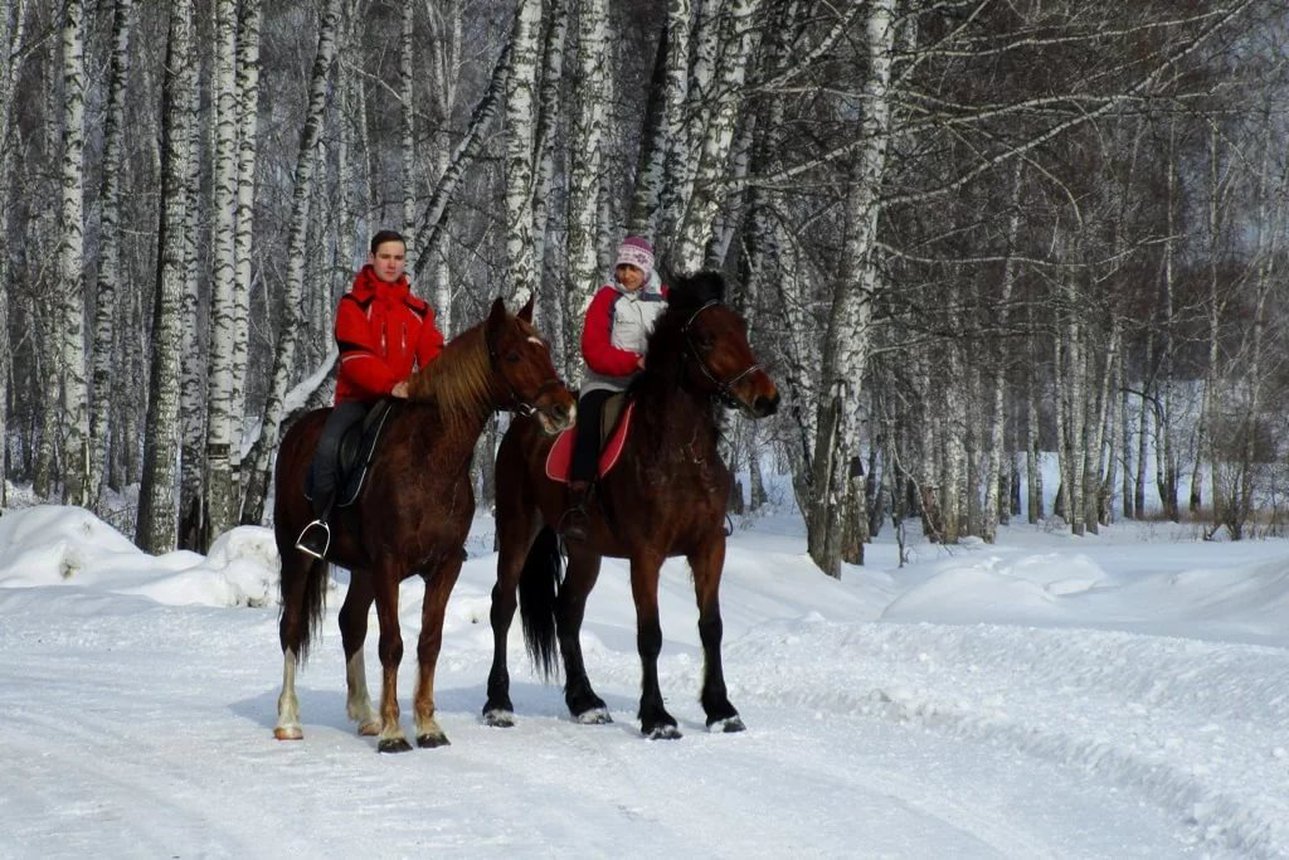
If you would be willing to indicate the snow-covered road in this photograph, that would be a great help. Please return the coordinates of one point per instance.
(135, 728)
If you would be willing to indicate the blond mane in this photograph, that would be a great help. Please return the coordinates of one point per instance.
(459, 381)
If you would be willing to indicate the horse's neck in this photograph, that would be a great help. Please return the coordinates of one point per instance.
(458, 381)
(674, 416)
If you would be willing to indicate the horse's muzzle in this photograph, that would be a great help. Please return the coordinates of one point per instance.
(557, 417)
(765, 405)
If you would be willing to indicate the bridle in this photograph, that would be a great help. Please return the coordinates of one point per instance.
(517, 404)
(724, 388)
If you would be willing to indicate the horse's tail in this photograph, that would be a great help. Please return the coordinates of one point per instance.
(302, 604)
(538, 590)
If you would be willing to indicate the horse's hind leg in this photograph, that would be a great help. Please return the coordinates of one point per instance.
(655, 722)
(513, 545)
(438, 587)
(583, 703)
(301, 584)
(707, 564)
(518, 524)
(353, 633)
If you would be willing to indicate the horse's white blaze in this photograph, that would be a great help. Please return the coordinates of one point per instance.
(288, 706)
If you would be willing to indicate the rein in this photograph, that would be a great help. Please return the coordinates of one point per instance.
(724, 388)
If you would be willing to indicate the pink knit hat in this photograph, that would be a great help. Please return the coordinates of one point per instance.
(635, 251)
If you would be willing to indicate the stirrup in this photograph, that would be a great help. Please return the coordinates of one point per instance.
(307, 542)
(573, 523)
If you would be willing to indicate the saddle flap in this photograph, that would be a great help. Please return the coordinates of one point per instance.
(356, 449)
(615, 423)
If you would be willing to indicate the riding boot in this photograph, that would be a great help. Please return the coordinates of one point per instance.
(574, 523)
(315, 539)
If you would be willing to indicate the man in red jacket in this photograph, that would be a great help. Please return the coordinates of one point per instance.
(384, 333)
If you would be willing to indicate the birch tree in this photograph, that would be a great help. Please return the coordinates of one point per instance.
(221, 480)
(293, 294)
(11, 38)
(736, 49)
(832, 482)
(71, 260)
(445, 38)
(407, 116)
(156, 528)
(521, 92)
(585, 162)
(105, 292)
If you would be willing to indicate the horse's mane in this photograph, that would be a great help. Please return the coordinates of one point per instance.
(459, 381)
(667, 347)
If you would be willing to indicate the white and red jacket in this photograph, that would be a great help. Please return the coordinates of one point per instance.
(383, 331)
(615, 332)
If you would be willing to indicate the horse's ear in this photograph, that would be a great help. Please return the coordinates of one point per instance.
(496, 323)
(526, 312)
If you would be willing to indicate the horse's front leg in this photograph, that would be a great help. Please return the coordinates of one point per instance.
(353, 633)
(655, 722)
(438, 586)
(583, 703)
(385, 581)
(707, 563)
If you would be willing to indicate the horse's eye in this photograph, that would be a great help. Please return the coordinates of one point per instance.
(512, 357)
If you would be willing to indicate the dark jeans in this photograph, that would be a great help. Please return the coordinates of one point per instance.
(586, 445)
(326, 459)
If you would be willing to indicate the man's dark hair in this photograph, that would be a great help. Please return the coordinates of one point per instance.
(387, 236)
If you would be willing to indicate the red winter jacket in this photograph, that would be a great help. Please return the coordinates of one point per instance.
(382, 331)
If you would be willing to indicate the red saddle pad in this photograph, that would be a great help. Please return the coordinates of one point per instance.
(560, 458)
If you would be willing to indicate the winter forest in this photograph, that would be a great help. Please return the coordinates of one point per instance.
(963, 234)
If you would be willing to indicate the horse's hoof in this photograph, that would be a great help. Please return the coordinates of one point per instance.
(729, 725)
(429, 742)
(369, 729)
(288, 733)
(393, 745)
(595, 717)
(663, 733)
(499, 719)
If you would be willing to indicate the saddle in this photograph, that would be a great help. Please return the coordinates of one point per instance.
(357, 446)
(615, 423)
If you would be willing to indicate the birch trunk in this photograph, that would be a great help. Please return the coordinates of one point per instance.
(222, 497)
(288, 335)
(446, 27)
(248, 109)
(407, 112)
(194, 524)
(995, 433)
(708, 195)
(585, 159)
(11, 36)
(548, 118)
(105, 307)
(671, 190)
(71, 261)
(847, 338)
(156, 527)
(521, 91)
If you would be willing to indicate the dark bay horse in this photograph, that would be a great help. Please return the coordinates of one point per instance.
(412, 516)
(665, 497)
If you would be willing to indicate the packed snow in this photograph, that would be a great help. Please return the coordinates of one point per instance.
(1118, 695)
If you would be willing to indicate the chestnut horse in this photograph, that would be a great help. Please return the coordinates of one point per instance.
(666, 496)
(411, 517)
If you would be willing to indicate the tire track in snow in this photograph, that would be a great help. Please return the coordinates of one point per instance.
(1173, 719)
